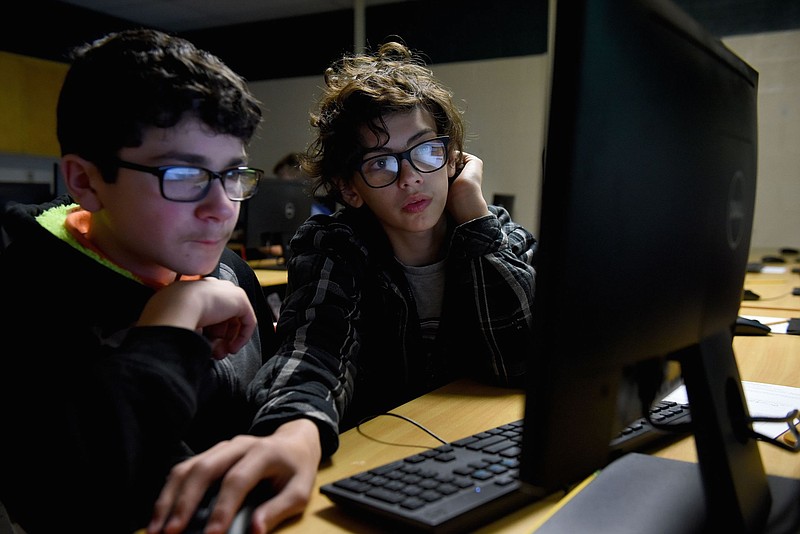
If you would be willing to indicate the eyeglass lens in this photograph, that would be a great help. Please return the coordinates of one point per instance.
(192, 183)
(428, 156)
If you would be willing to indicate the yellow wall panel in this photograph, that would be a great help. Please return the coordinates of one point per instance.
(28, 97)
(11, 115)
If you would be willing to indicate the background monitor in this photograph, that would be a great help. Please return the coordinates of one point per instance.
(646, 215)
(275, 213)
(23, 193)
(505, 200)
(59, 187)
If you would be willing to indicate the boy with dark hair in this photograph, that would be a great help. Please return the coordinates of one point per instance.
(130, 381)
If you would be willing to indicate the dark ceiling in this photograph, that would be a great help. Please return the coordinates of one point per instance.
(446, 30)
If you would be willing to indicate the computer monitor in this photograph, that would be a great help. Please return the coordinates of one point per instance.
(645, 222)
(275, 213)
(23, 193)
(59, 186)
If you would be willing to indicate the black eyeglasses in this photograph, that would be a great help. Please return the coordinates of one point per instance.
(183, 183)
(383, 170)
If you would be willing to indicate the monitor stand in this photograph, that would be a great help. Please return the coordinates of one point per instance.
(737, 495)
(641, 493)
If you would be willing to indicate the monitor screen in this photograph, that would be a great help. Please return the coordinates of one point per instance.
(59, 186)
(23, 193)
(645, 221)
(275, 212)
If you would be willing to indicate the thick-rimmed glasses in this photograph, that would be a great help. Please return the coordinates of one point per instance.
(184, 183)
(383, 170)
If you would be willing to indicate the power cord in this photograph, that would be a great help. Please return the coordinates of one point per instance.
(404, 418)
(792, 419)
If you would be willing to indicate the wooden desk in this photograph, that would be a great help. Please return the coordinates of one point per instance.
(772, 359)
(775, 289)
(267, 274)
(266, 263)
(271, 277)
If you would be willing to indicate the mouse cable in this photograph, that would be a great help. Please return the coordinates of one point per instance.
(776, 297)
(792, 419)
(404, 418)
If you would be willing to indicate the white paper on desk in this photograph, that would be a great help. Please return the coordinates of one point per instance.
(773, 269)
(763, 400)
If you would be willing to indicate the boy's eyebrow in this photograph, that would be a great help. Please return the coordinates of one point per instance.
(409, 142)
(199, 160)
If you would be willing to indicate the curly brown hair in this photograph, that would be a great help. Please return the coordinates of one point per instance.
(361, 90)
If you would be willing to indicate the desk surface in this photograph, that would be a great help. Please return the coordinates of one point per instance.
(772, 359)
(272, 277)
(774, 288)
(268, 272)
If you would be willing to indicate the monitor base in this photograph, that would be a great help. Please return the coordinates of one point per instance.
(641, 493)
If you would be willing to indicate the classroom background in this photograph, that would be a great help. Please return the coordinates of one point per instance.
(492, 55)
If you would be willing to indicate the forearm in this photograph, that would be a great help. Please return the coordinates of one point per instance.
(301, 383)
(497, 282)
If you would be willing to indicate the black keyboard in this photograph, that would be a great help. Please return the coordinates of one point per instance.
(451, 488)
(459, 486)
(641, 434)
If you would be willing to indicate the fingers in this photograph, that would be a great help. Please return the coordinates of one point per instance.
(177, 502)
(468, 167)
(261, 467)
(218, 307)
(188, 482)
(298, 456)
(287, 493)
(229, 336)
(288, 461)
(291, 501)
(465, 200)
(282, 468)
(238, 483)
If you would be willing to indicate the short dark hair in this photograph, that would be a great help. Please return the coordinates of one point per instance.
(129, 80)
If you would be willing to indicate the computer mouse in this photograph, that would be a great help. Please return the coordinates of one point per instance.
(772, 259)
(750, 327)
(750, 295)
(241, 521)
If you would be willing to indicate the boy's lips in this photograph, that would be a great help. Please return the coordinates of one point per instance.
(206, 240)
(416, 204)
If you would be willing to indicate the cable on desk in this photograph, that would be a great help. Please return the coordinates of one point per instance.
(776, 297)
(404, 418)
(792, 419)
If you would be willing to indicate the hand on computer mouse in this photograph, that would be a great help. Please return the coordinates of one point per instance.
(274, 474)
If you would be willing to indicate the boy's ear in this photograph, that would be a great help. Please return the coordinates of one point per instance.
(451, 170)
(455, 164)
(79, 175)
(350, 196)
